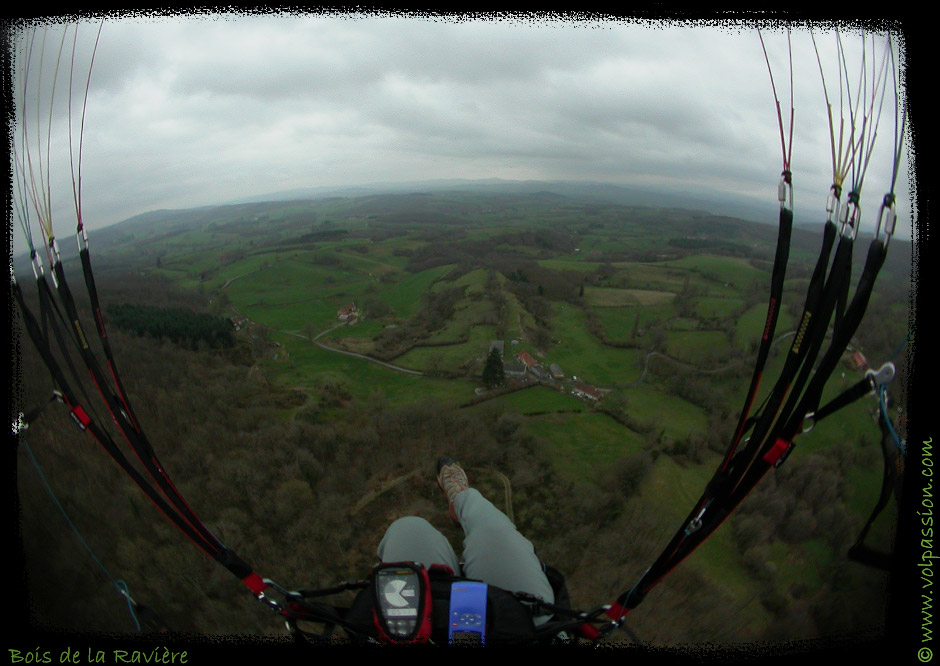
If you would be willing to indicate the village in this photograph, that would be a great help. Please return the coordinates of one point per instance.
(522, 370)
(525, 369)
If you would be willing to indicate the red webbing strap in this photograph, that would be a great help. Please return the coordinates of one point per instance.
(80, 415)
(255, 583)
(589, 632)
(616, 612)
(778, 449)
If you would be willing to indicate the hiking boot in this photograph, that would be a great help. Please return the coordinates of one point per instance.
(452, 480)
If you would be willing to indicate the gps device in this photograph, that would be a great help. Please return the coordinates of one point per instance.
(401, 606)
(467, 614)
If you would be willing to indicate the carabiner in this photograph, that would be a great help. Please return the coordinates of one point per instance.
(882, 376)
(810, 416)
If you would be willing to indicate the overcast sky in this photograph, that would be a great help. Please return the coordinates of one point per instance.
(185, 111)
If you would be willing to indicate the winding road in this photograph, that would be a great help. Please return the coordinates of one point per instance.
(687, 365)
(390, 366)
(353, 354)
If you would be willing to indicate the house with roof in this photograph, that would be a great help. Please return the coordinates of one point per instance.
(856, 361)
(514, 370)
(586, 392)
(347, 311)
(526, 359)
(538, 372)
(239, 321)
(532, 367)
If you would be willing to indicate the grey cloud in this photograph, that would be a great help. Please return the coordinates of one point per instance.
(186, 112)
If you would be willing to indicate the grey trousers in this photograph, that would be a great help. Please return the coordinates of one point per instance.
(493, 550)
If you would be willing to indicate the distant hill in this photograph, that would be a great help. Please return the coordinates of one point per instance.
(448, 203)
(598, 192)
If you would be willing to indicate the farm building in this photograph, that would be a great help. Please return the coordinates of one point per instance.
(347, 311)
(537, 371)
(856, 361)
(584, 391)
(526, 359)
(555, 369)
(239, 321)
(514, 370)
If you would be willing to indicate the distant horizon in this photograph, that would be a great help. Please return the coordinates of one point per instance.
(688, 202)
(720, 204)
(758, 212)
(518, 184)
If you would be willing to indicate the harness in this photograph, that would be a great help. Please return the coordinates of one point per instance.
(509, 616)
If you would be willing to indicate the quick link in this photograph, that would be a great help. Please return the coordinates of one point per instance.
(785, 190)
(81, 236)
(887, 219)
(851, 216)
(36, 264)
(833, 203)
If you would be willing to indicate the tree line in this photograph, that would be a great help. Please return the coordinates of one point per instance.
(190, 329)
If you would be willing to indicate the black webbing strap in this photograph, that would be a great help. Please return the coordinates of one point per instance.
(211, 546)
(50, 314)
(134, 437)
(818, 306)
(869, 384)
(890, 483)
(818, 311)
(734, 481)
(813, 312)
(103, 335)
(862, 553)
(781, 442)
(690, 535)
(841, 337)
(778, 274)
(85, 422)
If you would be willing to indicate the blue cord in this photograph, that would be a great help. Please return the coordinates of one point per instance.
(119, 584)
(883, 405)
(901, 346)
(122, 587)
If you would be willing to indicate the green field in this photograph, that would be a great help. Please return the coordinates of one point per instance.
(583, 445)
(644, 295)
